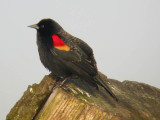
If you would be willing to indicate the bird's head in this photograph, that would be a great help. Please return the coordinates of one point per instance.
(47, 27)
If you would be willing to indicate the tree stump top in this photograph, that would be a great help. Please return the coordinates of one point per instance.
(77, 100)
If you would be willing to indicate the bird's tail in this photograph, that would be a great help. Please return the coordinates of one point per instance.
(101, 82)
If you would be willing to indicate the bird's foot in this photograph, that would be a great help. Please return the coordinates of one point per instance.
(59, 83)
(59, 78)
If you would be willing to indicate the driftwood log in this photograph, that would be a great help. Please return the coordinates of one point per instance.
(76, 100)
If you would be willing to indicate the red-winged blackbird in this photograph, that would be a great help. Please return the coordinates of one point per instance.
(65, 55)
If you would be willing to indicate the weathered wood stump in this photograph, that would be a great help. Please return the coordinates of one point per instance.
(77, 100)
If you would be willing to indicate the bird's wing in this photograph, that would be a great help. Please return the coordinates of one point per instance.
(87, 50)
(79, 54)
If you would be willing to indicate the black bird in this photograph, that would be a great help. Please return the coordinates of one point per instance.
(65, 55)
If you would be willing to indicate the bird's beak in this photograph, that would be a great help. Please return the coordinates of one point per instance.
(34, 26)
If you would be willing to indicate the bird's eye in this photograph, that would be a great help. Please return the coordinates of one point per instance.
(42, 26)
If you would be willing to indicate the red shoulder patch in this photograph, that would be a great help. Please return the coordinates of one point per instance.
(58, 43)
